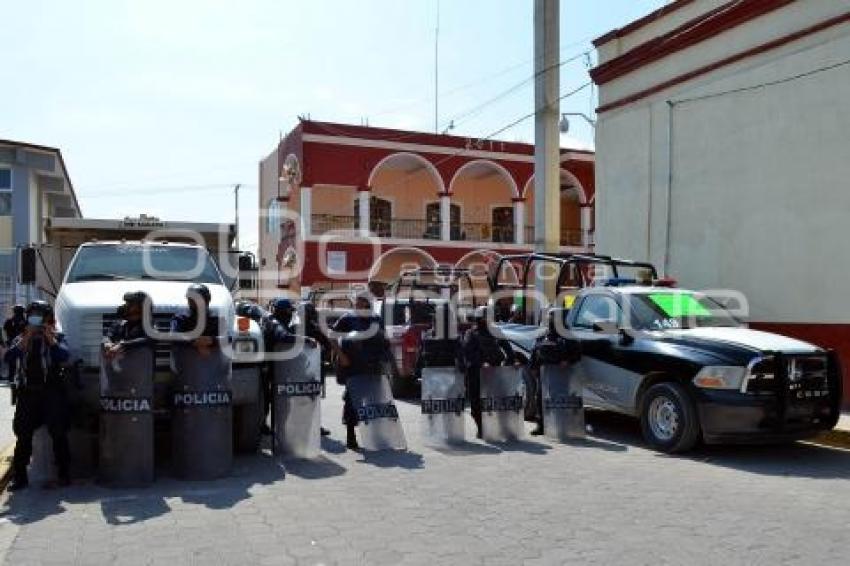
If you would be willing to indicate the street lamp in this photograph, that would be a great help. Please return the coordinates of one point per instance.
(564, 126)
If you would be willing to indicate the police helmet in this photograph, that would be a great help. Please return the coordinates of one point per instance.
(19, 310)
(135, 298)
(199, 289)
(282, 304)
(42, 308)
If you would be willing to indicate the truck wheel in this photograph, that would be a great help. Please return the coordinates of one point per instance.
(669, 418)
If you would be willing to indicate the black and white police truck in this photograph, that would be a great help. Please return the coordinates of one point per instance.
(676, 359)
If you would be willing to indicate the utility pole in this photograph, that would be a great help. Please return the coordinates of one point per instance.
(547, 179)
(236, 207)
(437, 72)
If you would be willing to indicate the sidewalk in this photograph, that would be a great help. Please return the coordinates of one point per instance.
(839, 437)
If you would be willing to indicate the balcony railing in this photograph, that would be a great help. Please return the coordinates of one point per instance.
(420, 229)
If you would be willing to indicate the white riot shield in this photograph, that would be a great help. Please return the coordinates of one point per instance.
(563, 406)
(377, 416)
(443, 396)
(297, 413)
(502, 402)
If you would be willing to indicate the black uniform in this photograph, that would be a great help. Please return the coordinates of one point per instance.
(187, 322)
(480, 347)
(366, 354)
(128, 333)
(550, 349)
(14, 327)
(275, 332)
(41, 400)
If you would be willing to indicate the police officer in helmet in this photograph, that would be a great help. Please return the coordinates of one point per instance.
(553, 348)
(129, 330)
(40, 353)
(363, 350)
(479, 349)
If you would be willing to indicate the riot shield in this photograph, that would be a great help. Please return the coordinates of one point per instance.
(563, 406)
(201, 422)
(377, 416)
(502, 402)
(126, 418)
(247, 407)
(297, 416)
(443, 396)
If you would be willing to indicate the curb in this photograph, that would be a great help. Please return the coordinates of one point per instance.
(836, 438)
(6, 465)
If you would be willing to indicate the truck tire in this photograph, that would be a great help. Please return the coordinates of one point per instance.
(669, 419)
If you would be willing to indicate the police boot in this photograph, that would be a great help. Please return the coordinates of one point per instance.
(351, 439)
(324, 431)
(538, 430)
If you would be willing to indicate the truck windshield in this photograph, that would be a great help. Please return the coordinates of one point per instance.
(135, 262)
(665, 311)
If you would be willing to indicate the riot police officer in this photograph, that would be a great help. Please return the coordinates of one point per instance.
(277, 329)
(479, 348)
(553, 348)
(199, 298)
(129, 330)
(40, 352)
(363, 351)
(15, 324)
(311, 328)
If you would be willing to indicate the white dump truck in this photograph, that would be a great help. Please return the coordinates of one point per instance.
(97, 278)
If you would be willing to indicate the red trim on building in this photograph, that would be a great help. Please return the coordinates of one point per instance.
(759, 49)
(641, 23)
(706, 26)
(832, 336)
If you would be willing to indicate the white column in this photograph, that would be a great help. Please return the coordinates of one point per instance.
(445, 217)
(519, 221)
(306, 211)
(364, 211)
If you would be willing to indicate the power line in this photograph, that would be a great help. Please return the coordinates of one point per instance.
(160, 190)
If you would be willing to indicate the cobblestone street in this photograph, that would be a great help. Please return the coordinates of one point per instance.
(610, 501)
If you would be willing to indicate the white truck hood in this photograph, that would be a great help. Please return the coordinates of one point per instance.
(108, 295)
(763, 341)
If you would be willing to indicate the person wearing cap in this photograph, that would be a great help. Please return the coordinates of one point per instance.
(40, 353)
(199, 298)
(128, 330)
(553, 348)
(479, 349)
(364, 349)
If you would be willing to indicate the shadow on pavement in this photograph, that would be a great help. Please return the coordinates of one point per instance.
(593, 443)
(797, 459)
(126, 506)
(393, 459)
(527, 446)
(332, 445)
(465, 449)
(320, 468)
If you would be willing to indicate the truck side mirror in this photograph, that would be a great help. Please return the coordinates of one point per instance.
(27, 272)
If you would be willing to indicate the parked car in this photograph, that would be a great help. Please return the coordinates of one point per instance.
(682, 364)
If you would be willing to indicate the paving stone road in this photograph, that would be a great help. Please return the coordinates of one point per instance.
(608, 502)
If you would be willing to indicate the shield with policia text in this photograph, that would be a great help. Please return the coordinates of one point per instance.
(443, 400)
(563, 406)
(297, 416)
(377, 417)
(502, 401)
(202, 417)
(126, 418)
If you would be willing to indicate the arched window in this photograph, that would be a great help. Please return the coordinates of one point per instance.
(433, 223)
(380, 216)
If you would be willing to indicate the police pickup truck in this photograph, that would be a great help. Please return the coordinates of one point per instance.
(679, 361)
(94, 285)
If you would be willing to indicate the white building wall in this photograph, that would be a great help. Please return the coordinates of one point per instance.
(760, 191)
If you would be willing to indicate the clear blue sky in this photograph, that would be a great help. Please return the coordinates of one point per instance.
(158, 106)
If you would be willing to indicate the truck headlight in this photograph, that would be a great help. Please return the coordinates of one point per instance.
(245, 346)
(720, 377)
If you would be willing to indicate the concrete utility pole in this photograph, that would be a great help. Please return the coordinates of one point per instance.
(547, 179)
(236, 223)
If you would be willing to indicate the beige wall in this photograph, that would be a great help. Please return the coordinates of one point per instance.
(408, 192)
(6, 232)
(478, 196)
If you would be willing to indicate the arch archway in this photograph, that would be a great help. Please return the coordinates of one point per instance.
(402, 182)
(574, 226)
(484, 190)
(390, 264)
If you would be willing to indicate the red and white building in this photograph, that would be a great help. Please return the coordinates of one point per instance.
(342, 203)
(723, 155)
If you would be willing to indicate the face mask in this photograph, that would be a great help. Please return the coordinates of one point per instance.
(35, 320)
